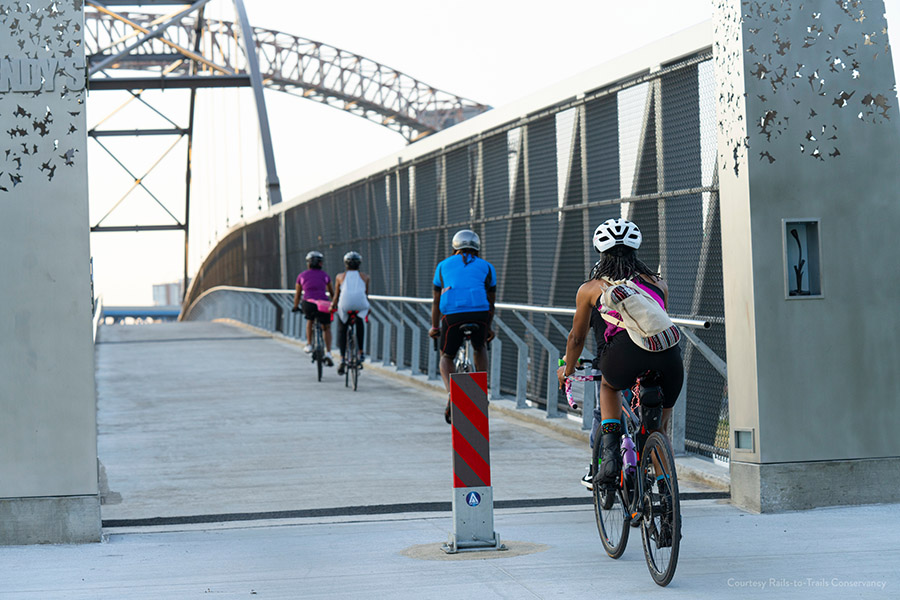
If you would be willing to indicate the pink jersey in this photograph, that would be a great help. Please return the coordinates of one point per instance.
(314, 283)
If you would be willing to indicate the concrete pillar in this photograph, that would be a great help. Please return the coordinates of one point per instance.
(808, 147)
(48, 430)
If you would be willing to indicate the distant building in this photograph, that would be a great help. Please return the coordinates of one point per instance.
(168, 294)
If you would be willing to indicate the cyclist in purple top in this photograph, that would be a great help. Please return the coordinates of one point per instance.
(315, 284)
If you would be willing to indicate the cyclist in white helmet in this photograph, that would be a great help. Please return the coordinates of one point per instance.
(619, 359)
(351, 292)
(314, 286)
(464, 290)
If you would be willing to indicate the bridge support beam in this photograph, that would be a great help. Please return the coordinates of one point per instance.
(808, 142)
(273, 186)
(48, 433)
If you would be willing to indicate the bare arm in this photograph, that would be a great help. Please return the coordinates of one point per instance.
(491, 296)
(581, 323)
(435, 314)
(298, 292)
(337, 291)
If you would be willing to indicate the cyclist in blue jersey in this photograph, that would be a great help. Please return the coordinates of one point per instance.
(465, 287)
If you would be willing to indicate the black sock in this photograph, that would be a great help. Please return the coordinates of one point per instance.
(611, 426)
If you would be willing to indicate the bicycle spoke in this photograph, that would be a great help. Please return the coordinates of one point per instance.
(610, 512)
(661, 524)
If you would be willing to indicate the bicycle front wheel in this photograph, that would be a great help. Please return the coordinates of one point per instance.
(661, 525)
(610, 511)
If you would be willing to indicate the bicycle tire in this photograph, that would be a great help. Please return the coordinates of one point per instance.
(462, 363)
(347, 363)
(610, 512)
(353, 352)
(662, 559)
(319, 352)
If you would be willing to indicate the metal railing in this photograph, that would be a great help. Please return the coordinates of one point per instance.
(395, 339)
(95, 319)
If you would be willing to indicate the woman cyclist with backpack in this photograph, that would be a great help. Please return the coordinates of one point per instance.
(620, 360)
(351, 293)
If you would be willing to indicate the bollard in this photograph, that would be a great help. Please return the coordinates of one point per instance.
(473, 498)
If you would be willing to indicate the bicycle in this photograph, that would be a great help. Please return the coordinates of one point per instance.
(318, 343)
(646, 457)
(463, 363)
(353, 360)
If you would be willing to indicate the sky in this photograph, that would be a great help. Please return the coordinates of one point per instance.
(491, 52)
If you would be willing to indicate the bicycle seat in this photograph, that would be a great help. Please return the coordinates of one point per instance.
(469, 329)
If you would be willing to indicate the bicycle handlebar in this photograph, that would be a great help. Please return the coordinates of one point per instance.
(573, 377)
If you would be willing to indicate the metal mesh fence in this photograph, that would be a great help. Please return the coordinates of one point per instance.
(534, 190)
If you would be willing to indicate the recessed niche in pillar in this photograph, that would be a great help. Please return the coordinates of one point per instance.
(802, 267)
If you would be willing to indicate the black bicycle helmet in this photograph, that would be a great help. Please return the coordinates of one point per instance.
(466, 239)
(352, 259)
(314, 259)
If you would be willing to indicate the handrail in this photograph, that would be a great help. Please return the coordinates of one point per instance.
(266, 308)
(98, 310)
(546, 310)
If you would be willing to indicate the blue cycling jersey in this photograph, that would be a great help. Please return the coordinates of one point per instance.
(464, 281)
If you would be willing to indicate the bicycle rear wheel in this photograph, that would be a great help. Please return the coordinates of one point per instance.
(610, 511)
(462, 363)
(319, 351)
(353, 363)
(661, 525)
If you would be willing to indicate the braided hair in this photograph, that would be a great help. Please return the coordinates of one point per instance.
(620, 262)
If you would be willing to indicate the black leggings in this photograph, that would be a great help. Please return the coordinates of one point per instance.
(622, 361)
(342, 335)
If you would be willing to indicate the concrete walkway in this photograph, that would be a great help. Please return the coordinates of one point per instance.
(232, 473)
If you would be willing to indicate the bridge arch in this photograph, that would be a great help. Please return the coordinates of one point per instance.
(288, 63)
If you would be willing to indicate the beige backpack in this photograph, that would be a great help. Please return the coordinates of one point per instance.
(640, 315)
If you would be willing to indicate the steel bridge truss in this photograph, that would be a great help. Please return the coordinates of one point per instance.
(184, 50)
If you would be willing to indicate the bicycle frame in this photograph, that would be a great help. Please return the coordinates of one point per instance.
(465, 361)
(631, 428)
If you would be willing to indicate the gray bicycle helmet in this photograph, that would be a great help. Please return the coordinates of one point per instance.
(616, 232)
(466, 239)
(315, 258)
(352, 259)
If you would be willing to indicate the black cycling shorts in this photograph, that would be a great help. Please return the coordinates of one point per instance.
(311, 312)
(622, 361)
(452, 338)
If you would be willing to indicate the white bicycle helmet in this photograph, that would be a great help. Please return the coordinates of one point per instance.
(315, 258)
(466, 238)
(352, 259)
(616, 232)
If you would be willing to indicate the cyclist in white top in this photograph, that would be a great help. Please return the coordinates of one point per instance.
(351, 292)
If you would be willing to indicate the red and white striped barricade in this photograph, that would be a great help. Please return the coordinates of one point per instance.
(473, 497)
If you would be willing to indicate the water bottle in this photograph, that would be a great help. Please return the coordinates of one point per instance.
(629, 456)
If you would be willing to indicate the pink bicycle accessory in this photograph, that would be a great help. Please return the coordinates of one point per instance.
(569, 381)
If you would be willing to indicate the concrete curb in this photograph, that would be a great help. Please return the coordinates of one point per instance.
(690, 467)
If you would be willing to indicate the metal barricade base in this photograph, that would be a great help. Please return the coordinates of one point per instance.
(453, 546)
